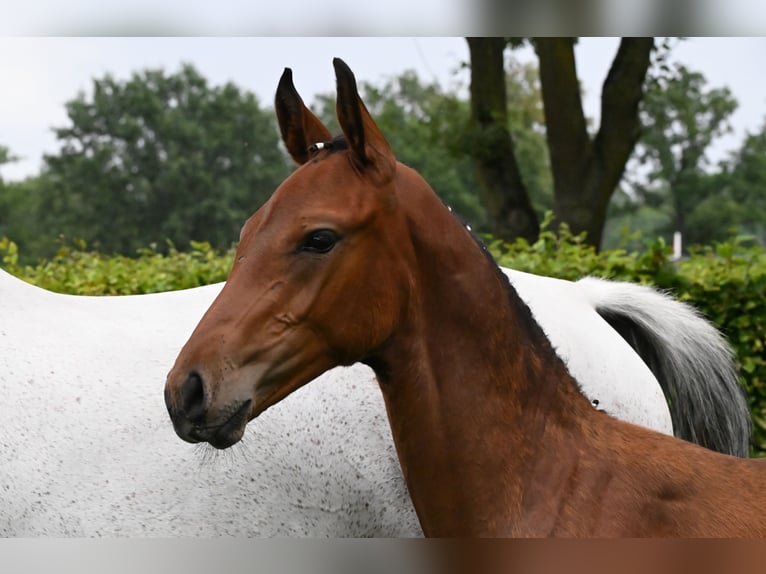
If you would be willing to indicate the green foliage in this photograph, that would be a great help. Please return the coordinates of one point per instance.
(731, 199)
(5, 155)
(76, 270)
(5, 217)
(681, 118)
(742, 186)
(21, 206)
(157, 156)
(564, 255)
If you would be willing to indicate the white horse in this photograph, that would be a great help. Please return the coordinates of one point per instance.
(87, 449)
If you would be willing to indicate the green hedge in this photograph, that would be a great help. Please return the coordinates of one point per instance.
(77, 271)
(726, 282)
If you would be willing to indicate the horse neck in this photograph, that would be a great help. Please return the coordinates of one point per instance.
(472, 386)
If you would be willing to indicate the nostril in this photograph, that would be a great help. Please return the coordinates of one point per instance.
(193, 398)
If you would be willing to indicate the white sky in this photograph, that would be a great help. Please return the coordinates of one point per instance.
(40, 74)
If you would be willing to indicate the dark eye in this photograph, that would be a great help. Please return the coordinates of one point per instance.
(320, 241)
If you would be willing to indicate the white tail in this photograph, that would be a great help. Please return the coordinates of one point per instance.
(691, 360)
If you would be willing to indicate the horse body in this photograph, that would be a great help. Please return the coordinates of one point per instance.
(354, 259)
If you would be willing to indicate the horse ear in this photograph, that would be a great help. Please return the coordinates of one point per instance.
(299, 127)
(369, 147)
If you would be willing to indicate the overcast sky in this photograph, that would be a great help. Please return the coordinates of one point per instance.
(40, 74)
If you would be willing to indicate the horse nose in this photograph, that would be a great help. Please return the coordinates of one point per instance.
(193, 400)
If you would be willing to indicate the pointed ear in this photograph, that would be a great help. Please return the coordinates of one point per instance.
(299, 127)
(369, 147)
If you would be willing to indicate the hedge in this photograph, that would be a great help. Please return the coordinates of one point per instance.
(76, 270)
(725, 281)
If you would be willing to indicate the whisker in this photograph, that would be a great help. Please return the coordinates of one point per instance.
(211, 459)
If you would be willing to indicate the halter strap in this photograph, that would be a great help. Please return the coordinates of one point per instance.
(335, 144)
(313, 148)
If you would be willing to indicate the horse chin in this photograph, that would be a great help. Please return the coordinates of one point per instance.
(224, 442)
(231, 432)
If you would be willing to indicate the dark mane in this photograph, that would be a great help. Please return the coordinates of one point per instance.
(519, 305)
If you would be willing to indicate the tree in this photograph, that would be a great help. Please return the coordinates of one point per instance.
(5, 155)
(5, 200)
(501, 187)
(23, 218)
(586, 169)
(739, 200)
(161, 157)
(526, 119)
(681, 117)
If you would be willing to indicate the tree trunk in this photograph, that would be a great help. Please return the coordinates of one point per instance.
(586, 171)
(501, 188)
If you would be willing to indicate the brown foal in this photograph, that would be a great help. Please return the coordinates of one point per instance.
(354, 258)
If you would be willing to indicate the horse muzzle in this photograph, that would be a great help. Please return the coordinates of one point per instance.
(195, 421)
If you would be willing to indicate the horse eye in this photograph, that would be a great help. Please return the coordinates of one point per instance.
(320, 241)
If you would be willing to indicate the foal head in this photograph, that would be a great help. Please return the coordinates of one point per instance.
(320, 277)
